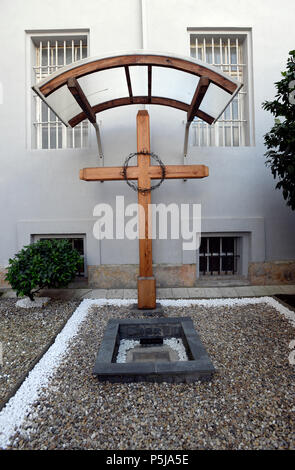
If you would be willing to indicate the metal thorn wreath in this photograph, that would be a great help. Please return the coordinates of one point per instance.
(133, 185)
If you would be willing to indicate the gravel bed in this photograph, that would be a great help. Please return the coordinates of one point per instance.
(249, 404)
(24, 333)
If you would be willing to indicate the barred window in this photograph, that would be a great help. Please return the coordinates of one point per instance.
(219, 256)
(228, 52)
(52, 53)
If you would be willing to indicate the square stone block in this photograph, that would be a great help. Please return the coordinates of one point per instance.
(156, 368)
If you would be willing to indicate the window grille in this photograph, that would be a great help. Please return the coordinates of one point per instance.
(50, 55)
(226, 52)
(77, 242)
(218, 256)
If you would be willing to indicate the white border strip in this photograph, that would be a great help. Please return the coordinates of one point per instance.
(20, 405)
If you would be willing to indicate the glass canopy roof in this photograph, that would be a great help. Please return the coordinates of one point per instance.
(85, 88)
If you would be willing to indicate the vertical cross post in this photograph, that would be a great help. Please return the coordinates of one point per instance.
(144, 172)
(146, 281)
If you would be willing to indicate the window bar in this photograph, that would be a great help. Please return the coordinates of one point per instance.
(206, 264)
(234, 257)
(48, 57)
(65, 53)
(204, 46)
(73, 60)
(231, 104)
(207, 257)
(213, 63)
(81, 49)
(37, 71)
(220, 255)
(56, 119)
(243, 128)
(64, 128)
(56, 55)
(206, 126)
(197, 48)
(222, 117)
(229, 56)
(208, 134)
(211, 256)
(231, 124)
(238, 95)
(216, 136)
(39, 104)
(48, 110)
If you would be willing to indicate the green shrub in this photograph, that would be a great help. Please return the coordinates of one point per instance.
(46, 263)
(280, 140)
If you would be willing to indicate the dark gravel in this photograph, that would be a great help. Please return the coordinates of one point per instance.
(249, 404)
(24, 333)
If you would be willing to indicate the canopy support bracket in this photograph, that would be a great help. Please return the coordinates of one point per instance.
(80, 97)
(199, 94)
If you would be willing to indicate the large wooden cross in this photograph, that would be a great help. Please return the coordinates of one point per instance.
(144, 173)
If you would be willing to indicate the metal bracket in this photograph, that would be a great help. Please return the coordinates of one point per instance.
(99, 145)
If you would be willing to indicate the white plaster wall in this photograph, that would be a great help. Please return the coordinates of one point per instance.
(44, 186)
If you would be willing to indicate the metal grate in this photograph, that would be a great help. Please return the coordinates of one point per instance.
(50, 55)
(218, 255)
(227, 54)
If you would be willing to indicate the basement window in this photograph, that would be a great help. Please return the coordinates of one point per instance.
(77, 242)
(219, 256)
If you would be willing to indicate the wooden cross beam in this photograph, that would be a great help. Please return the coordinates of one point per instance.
(144, 173)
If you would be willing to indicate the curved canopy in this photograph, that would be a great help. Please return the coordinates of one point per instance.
(85, 88)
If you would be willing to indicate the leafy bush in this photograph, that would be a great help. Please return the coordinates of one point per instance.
(46, 263)
(280, 140)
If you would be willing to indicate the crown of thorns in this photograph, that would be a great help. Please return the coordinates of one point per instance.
(132, 184)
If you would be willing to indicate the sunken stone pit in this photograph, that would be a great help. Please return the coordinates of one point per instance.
(158, 350)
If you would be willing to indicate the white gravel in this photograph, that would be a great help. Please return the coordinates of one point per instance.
(20, 406)
(178, 346)
(125, 345)
(28, 303)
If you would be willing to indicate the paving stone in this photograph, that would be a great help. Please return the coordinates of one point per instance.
(9, 294)
(264, 290)
(130, 294)
(278, 289)
(180, 293)
(228, 292)
(196, 292)
(96, 294)
(164, 293)
(115, 293)
(211, 292)
(63, 294)
(288, 289)
(244, 291)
